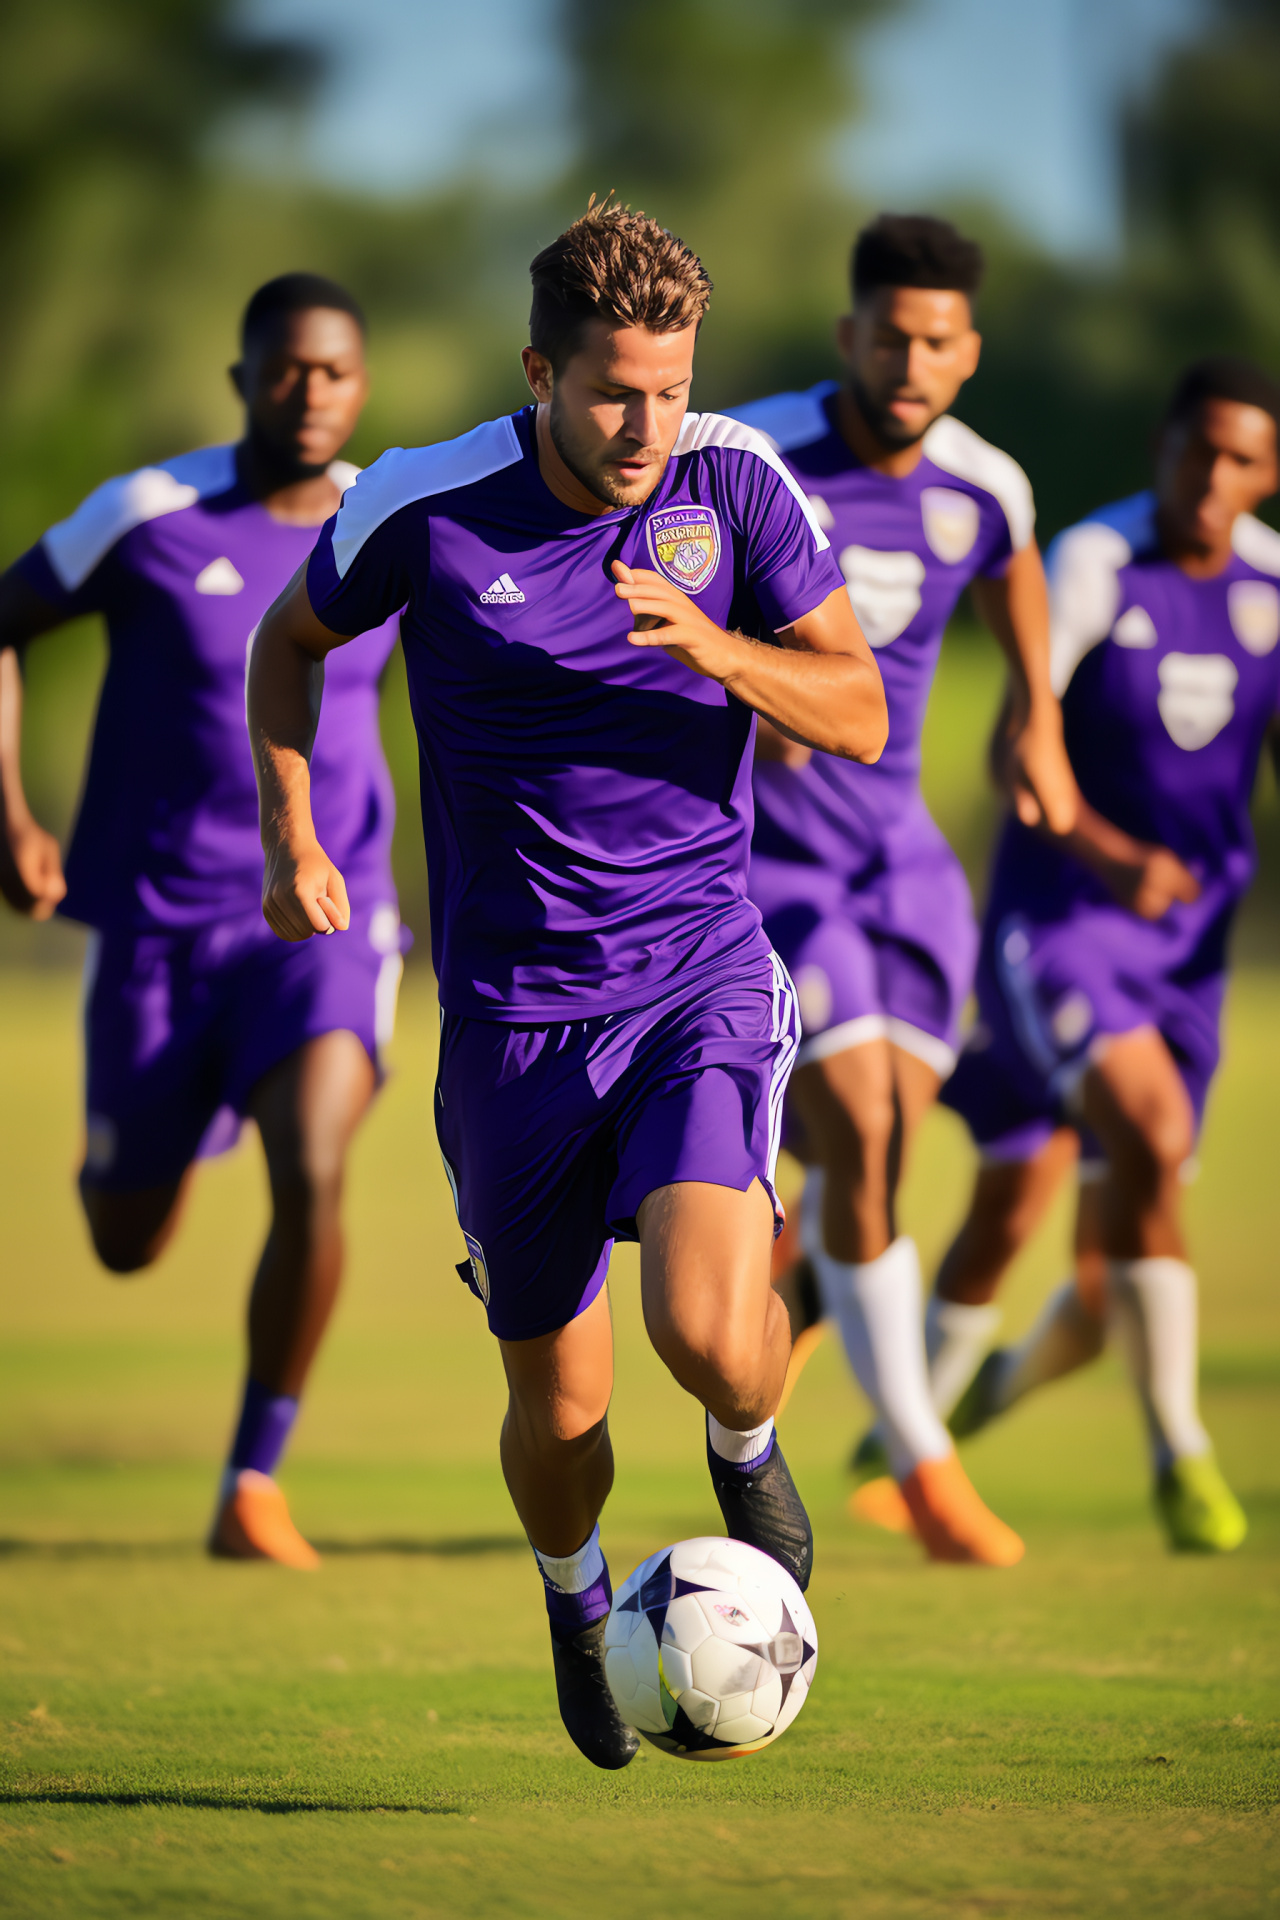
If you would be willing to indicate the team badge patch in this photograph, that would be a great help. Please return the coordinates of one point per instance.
(1195, 698)
(950, 522)
(479, 1269)
(1254, 609)
(685, 544)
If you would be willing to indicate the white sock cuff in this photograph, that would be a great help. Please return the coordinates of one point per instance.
(959, 1318)
(576, 1571)
(737, 1448)
(1154, 1270)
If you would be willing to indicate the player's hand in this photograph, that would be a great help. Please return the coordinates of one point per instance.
(303, 893)
(31, 877)
(1034, 769)
(1150, 887)
(662, 616)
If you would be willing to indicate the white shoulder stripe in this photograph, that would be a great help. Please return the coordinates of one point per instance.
(702, 430)
(405, 474)
(1084, 593)
(1257, 544)
(789, 420)
(959, 450)
(75, 546)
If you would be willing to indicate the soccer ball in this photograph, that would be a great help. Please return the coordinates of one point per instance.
(710, 1649)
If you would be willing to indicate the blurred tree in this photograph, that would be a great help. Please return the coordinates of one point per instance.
(105, 109)
(719, 117)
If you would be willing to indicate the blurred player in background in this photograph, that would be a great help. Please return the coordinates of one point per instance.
(861, 895)
(1104, 956)
(195, 1015)
(616, 1032)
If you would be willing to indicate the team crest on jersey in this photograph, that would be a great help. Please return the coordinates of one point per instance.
(479, 1269)
(950, 522)
(685, 544)
(1195, 698)
(1254, 610)
(884, 589)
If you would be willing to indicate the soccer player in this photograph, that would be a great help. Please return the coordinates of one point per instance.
(861, 896)
(195, 1017)
(616, 1032)
(1104, 956)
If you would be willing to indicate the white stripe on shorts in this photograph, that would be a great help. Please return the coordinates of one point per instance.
(786, 1033)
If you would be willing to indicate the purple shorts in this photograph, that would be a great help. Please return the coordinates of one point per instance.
(180, 1028)
(1049, 996)
(553, 1136)
(886, 953)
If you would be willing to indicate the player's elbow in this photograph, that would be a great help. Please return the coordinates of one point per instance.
(866, 731)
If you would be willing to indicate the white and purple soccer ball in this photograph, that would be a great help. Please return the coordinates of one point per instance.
(710, 1649)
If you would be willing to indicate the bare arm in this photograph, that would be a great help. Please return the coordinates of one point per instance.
(1028, 756)
(779, 747)
(302, 891)
(1143, 877)
(820, 686)
(30, 862)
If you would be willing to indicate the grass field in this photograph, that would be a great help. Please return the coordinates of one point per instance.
(1094, 1733)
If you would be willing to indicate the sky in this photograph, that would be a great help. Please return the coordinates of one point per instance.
(1012, 100)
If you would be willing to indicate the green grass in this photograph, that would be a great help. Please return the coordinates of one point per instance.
(1094, 1733)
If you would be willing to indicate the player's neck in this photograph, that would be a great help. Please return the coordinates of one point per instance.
(296, 499)
(561, 479)
(1197, 561)
(867, 446)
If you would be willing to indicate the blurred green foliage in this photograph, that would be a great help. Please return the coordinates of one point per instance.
(129, 242)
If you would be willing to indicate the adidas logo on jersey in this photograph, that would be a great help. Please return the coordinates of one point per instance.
(502, 593)
(220, 576)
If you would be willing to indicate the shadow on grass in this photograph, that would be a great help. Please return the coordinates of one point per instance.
(451, 1547)
(219, 1802)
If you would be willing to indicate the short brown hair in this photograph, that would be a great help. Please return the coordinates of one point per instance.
(613, 264)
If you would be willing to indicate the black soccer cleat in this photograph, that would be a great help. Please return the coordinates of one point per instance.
(590, 1714)
(764, 1509)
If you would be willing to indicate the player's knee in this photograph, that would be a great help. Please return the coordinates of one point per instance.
(128, 1230)
(120, 1250)
(307, 1184)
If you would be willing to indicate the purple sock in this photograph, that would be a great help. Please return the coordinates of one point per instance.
(265, 1421)
(569, 1613)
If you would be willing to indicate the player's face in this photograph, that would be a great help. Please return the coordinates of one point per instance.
(303, 382)
(1220, 463)
(909, 350)
(615, 408)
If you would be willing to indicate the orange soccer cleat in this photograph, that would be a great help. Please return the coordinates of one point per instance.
(253, 1524)
(880, 1503)
(953, 1520)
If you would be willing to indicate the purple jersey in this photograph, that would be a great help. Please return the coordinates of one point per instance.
(907, 549)
(1168, 687)
(183, 564)
(586, 803)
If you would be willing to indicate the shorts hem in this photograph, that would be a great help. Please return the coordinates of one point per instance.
(922, 1045)
(858, 1032)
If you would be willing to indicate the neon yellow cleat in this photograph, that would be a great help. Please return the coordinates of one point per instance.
(1197, 1508)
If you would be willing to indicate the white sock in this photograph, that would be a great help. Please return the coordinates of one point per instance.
(1153, 1308)
(956, 1339)
(877, 1304)
(576, 1571)
(738, 1448)
(1065, 1336)
(810, 1222)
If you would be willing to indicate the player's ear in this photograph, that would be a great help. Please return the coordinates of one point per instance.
(539, 374)
(972, 352)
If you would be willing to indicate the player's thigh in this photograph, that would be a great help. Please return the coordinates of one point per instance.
(308, 1106)
(560, 1383)
(915, 1085)
(1136, 1101)
(704, 1271)
(845, 1101)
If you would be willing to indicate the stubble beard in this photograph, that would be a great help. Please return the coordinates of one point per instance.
(597, 482)
(886, 427)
